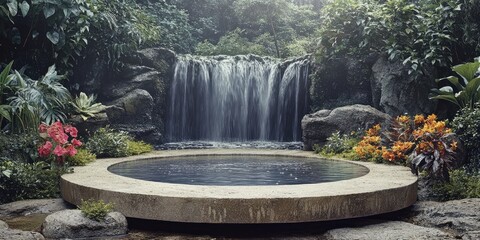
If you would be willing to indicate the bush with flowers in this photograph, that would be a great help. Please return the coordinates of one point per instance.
(60, 141)
(424, 143)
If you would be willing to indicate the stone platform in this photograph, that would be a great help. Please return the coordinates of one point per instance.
(384, 189)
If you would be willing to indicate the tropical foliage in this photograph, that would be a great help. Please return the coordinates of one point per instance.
(86, 107)
(421, 34)
(467, 126)
(426, 144)
(464, 91)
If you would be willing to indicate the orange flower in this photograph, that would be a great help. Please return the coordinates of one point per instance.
(403, 119)
(454, 145)
(418, 120)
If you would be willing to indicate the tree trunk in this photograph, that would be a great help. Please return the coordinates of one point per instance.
(275, 38)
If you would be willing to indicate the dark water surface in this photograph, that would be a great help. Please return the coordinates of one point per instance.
(239, 170)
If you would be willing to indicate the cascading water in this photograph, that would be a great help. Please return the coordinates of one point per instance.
(237, 98)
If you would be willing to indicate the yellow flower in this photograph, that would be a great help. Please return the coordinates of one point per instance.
(419, 119)
(403, 119)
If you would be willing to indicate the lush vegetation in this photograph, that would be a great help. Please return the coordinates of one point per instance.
(107, 142)
(95, 210)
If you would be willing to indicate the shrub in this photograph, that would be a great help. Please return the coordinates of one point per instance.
(82, 158)
(95, 210)
(467, 126)
(107, 142)
(138, 147)
(28, 181)
(20, 147)
(370, 148)
(427, 144)
(461, 185)
(339, 143)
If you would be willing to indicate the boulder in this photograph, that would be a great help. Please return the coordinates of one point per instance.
(135, 107)
(317, 127)
(72, 224)
(396, 92)
(459, 216)
(28, 207)
(3, 225)
(85, 127)
(8, 234)
(391, 230)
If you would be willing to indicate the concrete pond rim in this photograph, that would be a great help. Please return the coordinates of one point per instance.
(385, 188)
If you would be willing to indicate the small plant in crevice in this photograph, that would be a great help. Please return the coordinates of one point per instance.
(95, 210)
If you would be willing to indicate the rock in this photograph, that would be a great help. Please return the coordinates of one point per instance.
(392, 230)
(395, 92)
(317, 127)
(28, 207)
(72, 224)
(90, 125)
(341, 81)
(135, 107)
(157, 58)
(145, 132)
(460, 216)
(9, 234)
(3, 225)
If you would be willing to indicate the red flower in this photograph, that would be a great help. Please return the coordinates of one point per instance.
(71, 130)
(42, 128)
(45, 150)
(76, 143)
(60, 151)
(71, 150)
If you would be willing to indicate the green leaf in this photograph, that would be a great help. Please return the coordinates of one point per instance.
(24, 7)
(451, 98)
(48, 11)
(13, 7)
(7, 173)
(453, 80)
(4, 112)
(467, 70)
(54, 37)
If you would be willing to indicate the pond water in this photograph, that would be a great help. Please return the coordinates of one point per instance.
(244, 170)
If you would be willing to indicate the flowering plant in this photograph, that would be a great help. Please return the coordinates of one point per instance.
(424, 142)
(60, 141)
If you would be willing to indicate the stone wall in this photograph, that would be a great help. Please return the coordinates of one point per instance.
(373, 81)
(136, 94)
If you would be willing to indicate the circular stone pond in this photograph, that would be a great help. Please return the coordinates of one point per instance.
(210, 186)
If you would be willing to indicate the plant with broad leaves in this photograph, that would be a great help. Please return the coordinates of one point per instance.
(465, 91)
(86, 107)
(5, 78)
(36, 101)
(435, 149)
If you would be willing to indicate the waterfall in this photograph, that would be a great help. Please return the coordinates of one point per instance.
(237, 98)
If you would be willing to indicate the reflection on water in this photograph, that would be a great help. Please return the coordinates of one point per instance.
(239, 170)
